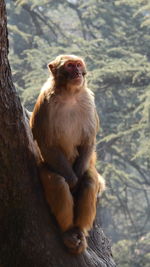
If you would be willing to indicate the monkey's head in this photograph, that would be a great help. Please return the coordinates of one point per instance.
(68, 71)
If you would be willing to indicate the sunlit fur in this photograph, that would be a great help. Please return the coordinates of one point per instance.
(64, 124)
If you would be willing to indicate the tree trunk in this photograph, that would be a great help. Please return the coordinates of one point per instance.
(29, 235)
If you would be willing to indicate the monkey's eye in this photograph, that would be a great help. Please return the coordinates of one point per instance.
(70, 65)
(79, 65)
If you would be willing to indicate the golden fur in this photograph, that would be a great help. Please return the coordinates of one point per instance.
(64, 124)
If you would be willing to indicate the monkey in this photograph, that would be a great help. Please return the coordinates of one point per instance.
(64, 124)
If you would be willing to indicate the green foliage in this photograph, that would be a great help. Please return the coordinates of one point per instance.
(113, 37)
(128, 253)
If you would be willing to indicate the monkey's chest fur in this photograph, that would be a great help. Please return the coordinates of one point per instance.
(72, 122)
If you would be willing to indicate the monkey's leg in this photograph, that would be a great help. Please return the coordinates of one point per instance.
(60, 201)
(85, 207)
(59, 198)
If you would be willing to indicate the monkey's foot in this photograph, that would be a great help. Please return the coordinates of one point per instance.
(75, 241)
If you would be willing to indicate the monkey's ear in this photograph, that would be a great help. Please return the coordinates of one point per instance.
(52, 67)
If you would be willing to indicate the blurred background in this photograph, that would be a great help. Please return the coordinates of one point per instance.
(114, 39)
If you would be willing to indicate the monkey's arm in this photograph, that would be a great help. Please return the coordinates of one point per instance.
(85, 152)
(58, 163)
(82, 162)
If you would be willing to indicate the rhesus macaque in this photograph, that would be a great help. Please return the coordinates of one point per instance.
(64, 124)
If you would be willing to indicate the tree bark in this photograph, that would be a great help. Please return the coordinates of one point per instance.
(29, 235)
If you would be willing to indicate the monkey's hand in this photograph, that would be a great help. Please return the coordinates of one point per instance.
(72, 180)
(58, 163)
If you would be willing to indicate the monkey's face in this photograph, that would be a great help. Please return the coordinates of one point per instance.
(68, 70)
(74, 72)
